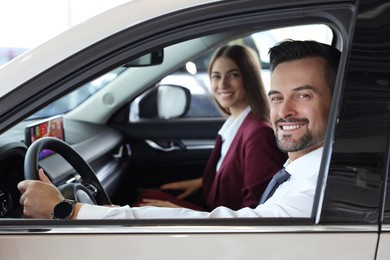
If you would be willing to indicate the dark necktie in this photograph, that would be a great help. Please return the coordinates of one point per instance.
(280, 177)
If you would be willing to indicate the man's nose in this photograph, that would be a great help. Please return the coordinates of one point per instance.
(286, 109)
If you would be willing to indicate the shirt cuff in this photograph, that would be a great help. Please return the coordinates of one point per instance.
(88, 211)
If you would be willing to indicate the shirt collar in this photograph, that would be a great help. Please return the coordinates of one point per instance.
(306, 165)
(232, 124)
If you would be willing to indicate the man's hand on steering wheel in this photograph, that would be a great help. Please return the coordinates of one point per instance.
(39, 197)
(73, 191)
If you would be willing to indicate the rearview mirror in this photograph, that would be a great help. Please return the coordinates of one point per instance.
(152, 58)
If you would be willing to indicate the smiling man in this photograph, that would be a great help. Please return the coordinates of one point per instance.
(300, 100)
(303, 76)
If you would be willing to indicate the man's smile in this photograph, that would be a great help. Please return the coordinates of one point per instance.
(291, 127)
(291, 124)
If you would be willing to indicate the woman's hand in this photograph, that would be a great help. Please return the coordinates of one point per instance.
(189, 187)
(158, 203)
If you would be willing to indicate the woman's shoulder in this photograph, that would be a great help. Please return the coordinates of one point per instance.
(253, 128)
(252, 122)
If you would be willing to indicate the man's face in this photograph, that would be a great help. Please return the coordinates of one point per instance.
(300, 102)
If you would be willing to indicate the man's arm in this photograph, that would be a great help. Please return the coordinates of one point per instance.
(40, 197)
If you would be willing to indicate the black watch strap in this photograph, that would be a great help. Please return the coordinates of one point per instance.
(64, 209)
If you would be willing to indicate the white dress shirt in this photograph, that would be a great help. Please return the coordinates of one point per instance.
(294, 198)
(228, 132)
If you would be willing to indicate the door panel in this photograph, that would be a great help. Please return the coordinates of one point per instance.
(269, 242)
(383, 246)
(163, 151)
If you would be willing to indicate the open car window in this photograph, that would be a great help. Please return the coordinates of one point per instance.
(110, 112)
(148, 173)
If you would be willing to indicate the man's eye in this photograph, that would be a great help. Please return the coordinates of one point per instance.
(275, 98)
(303, 96)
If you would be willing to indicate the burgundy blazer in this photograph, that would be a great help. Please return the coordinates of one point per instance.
(251, 161)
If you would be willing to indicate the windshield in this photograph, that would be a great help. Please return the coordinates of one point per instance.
(75, 98)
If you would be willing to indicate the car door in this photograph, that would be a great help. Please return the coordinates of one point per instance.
(338, 228)
(357, 179)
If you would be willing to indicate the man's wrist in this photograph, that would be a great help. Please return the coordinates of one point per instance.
(76, 210)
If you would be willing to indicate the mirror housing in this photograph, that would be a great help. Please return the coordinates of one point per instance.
(162, 102)
(172, 101)
(149, 59)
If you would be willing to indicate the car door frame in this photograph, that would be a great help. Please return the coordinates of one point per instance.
(257, 237)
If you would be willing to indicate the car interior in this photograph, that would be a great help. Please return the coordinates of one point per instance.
(120, 129)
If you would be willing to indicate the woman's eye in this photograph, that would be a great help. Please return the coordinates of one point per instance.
(234, 75)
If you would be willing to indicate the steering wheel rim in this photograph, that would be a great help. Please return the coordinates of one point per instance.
(72, 157)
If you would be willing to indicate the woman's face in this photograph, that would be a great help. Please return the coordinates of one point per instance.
(227, 86)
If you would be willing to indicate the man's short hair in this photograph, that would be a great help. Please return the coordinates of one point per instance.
(290, 50)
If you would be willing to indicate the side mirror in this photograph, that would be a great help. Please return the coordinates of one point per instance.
(172, 101)
(163, 102)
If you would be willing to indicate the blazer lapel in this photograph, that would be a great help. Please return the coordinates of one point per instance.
(230, 155)
(232, 151)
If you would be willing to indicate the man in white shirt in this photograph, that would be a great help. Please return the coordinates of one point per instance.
(302, 79)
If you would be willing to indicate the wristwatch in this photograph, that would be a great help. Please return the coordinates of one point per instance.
(64, 209)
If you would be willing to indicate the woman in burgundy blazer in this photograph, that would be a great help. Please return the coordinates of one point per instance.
(251, 161)
(252, 156)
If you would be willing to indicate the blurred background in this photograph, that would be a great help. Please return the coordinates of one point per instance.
(25, 24)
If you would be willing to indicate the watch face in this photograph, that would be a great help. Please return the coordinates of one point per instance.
(63, 210)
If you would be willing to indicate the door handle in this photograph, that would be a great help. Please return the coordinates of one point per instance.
(172, 146)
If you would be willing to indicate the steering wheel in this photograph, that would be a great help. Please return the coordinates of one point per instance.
(90, 190)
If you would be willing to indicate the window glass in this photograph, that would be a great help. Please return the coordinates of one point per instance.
(78, 96)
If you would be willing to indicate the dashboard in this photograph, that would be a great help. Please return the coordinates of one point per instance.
(101, 146)
(11, 173)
